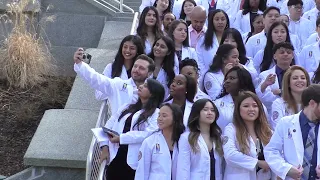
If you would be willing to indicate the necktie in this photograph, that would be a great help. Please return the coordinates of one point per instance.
(213, 2)
(308, 151)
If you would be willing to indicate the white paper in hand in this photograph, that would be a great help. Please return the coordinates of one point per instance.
(99, 134)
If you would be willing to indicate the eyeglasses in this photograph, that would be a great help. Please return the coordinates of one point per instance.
(296, 7)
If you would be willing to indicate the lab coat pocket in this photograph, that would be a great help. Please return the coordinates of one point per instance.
(290, 151)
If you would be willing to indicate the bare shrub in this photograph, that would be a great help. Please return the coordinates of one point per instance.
(25, 59)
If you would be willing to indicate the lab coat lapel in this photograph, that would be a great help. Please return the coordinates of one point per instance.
(316, 51)
(295, 130)
(187, 110)
(203, 144)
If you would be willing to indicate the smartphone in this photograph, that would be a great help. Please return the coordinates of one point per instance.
(106, 130)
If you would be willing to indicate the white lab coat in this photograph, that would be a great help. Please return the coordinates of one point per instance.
(231, 7)
(200, 95)
(146, 3)
(225, 106)
(258, 58)
(242, 22)
(302, 28)
(156, 164)
(279, 110)
(255, 43)
(267, 97)
(134, 137)
(186, 113)
(205, 57)
(307, 5)
(213, 83)
(108, 72)
(118, 91)
(311, 15)
(280, 4)
(285, 148)
(249, 66)
(162, 78)
(309, 57)
(314, 38)
(239, 165)
(196, 166)
(186, 52)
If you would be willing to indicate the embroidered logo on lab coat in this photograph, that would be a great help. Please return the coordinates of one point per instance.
(124, 87)
(310, 53)
(258, 41)
(309, 17)
(221, 104)
(140, 155)
(275, 115)
(208, 85)
(317, 39)
(225, 139)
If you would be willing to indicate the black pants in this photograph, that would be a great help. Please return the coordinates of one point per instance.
(118, 168)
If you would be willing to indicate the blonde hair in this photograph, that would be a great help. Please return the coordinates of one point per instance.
(286, 90)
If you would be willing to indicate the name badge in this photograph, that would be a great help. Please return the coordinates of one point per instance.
(258, 41)
(124, 87)
(157, 149)
(310, 53)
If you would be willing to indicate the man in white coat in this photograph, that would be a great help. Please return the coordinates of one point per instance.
(258, 41)
(119, 91)
(293, 152)
(298, 25)
(314, 13)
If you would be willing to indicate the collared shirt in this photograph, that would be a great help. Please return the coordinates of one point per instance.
(195, 36)
(305, 127)
(280, 72)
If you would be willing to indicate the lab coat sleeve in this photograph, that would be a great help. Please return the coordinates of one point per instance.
(184, 159)
(193, 54)
(302, 57)
(253, 72)
(257, 60)
(107, 72)
(200, 62)
(267, 95)
(273, 153)
(134, 136)
(95, 80)
(249, 48)
(276, 113)
(237, 21)
(233, 155)
(212, 86)
(144, 163)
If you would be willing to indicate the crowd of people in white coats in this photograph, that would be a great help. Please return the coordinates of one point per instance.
(214, 90)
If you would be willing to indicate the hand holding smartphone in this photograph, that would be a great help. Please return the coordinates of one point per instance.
(109, 131)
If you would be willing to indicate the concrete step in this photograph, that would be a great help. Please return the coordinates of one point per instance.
(121, 19)
(113, 33)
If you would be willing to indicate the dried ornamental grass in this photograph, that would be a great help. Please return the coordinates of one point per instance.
(25, 60)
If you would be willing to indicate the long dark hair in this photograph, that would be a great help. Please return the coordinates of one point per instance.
(253, 17)
(244, 81)
(182, 13)
(173, 26)
(261, 126)
(268, 55)
(116, 67)
(168, 61)
(316, 76)
(208, 37)
(142, 27)
(247, 8)
(193, 125)
(222, 53)
(240, 46)
(157, 94)
(191, 88)
(177, 118)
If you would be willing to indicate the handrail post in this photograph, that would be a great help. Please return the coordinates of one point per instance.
(121, 4)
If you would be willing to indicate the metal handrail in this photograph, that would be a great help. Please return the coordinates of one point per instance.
(102, 4)
(134, 23)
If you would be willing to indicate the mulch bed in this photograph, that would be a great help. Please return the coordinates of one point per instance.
(20, 115)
